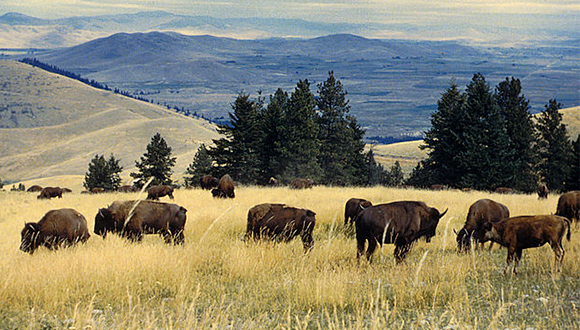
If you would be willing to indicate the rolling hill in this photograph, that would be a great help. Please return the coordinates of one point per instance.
(54, 126)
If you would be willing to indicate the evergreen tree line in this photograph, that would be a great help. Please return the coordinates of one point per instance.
(484, 139)
(296, 135)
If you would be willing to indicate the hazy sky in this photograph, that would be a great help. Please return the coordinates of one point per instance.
(544, 12)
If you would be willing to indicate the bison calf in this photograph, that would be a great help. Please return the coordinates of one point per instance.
(133, 219)
(524, 232)
(353, 207)
(281, 223)
(62, 227)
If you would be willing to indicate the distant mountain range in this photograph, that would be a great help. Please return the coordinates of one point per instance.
(393, 85)
(22, 31)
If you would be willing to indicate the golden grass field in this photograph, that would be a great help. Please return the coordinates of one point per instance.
(218, 281)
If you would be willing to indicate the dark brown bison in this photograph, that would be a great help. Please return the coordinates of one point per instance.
(66, 190)
(543, 191)
(503, 190)
(281, 223)
(438, 187)
(208, 182)
(569, 205)
(480, 212)
(301, 183)
(34, 188)
(272, 182)
(401, 223)
(353, 206)
(19, 188)
(133, 219)
(225, 188)
(523, 232)
(97, 190)
(127, 188)
(62, 227)
(155, 192)
(49, 192)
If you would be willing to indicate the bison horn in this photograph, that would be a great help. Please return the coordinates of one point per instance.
(442, 214)
(455, 231)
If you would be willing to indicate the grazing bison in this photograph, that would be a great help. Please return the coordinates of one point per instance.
(480, 212)
(569, 205)
(19, 188)
(62, 227)
(504, 190)
(525, 232)
(66, 190)
(281, 223)
(97, 190)
(208, 182)
(34, 188)
(301, 183)
(49, 192)
(155, 192)
(127, 188)
(353, 207)
(401, 223)
(543, 191)
(133, 219)
(272, 182)
(438, 187)
(225, 188)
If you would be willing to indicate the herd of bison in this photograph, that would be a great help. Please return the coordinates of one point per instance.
(400, 223)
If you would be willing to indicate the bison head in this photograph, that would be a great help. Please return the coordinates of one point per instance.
(489, 232)
(430, 227)
(463, 240)
(104, 222)
(29, 237)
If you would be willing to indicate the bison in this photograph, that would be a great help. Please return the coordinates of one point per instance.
(272, 182)
(480, 212)
(127, 188)
(525, 232)
(34, 188)
(503, 190)
(401, 223)
(281, 223)
(353, 207)
(208, 182)
(49, 192)
(543, 191)
(97, 190)
(155, 192)
(133, 219)
(300, 183)
(225, 188)
(62, 227)
(569, 205)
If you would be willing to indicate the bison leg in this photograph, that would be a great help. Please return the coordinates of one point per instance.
(178, 236)
(307, 241)
(371, 249)
(509, 259)
(558, 255)
(360, 247)
(401, 252)
(517, 260)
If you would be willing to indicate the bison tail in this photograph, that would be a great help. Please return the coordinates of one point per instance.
(569, 233)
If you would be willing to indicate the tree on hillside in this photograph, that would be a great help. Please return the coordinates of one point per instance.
(341, 147)
(555, 149)
(155, 163)
(272, 128)
(237, 154)
(201, 165)
(514, 108)
(103, 173)
(300, 149)
(574, 182)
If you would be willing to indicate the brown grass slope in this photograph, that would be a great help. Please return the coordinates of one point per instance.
(56, 125)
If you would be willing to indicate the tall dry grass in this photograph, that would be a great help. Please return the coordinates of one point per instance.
(218, 281)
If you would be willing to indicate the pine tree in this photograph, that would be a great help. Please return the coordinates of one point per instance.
(155, 163)
(272, 126)
(336, 128)
(574, 182)
(238, 153)
(300, 149)
(201, 165)
(554, 147)
(484, 161)
(396, 176)
(520, 129)
(444, 141)
(103, 173)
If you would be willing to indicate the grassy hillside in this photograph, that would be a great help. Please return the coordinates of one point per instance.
(54, 125)
(217, 281)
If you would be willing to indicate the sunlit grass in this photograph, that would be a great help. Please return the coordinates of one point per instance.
(218, 280)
